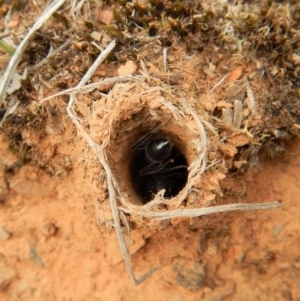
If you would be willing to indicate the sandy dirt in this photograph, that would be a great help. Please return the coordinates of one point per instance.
(52, 248)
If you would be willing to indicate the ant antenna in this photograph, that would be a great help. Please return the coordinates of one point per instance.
(146, 137)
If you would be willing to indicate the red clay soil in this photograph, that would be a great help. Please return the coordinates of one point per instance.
(52, 248)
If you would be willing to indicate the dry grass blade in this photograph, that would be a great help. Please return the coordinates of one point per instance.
(217, 84)
(100, 155)
(196, 212)
(92, 86)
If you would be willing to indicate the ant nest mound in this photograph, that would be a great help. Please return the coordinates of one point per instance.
(156, 147)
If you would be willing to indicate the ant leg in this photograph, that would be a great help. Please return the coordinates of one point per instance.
(148, 170)
(145, 170)
(154, 166)
(163, 170)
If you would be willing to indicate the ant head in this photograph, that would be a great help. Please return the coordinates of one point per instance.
(158, 150)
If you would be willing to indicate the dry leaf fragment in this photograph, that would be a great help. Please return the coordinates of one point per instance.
(235, 74)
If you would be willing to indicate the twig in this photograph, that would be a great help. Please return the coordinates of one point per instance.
(196, 212)
(100, 155)
(92, 86)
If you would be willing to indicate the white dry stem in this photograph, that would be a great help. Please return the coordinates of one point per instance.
(101, 157)
(76, 7)
(103, 55)
(196, 212)
(90, 87)
(15, 59)
(217, 84)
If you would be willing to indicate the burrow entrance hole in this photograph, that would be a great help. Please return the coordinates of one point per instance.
(149, 177)
(128, 163)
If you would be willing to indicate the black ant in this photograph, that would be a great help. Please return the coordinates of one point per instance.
(161, 165)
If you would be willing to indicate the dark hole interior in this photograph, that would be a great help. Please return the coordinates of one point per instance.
(171, 174)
